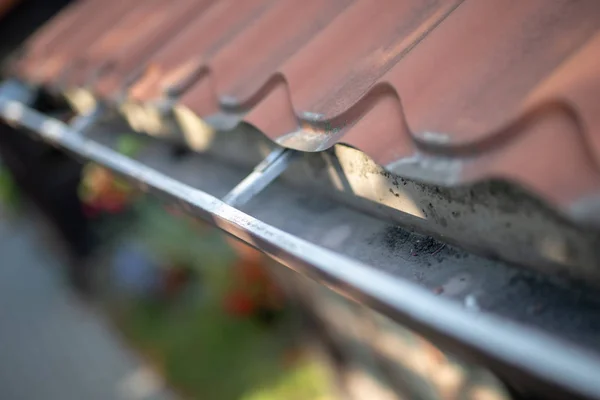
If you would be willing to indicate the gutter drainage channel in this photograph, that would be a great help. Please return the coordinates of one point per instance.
(517, 353)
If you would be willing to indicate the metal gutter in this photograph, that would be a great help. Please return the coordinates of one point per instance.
(511, 350)
(494, 217)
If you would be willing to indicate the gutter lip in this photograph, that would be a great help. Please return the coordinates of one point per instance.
(507, 348)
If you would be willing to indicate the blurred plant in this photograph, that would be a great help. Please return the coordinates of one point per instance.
(252, 292)
(101, 191)
(136, 271)
(129, 145)
(9, 192)
(139, 272)
(192, 302)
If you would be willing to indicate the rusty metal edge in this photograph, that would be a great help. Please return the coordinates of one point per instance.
(515, 352)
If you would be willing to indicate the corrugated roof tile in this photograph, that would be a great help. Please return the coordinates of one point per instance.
(185, 55)
(151, 32)
(499, 88)
(58, 58)
(242, 68)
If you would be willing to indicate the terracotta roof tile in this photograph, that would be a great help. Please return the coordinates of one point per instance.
(206, 35)
(244, 67)
(55, 59)
(153, 30)
(44, 41)
(455, 91)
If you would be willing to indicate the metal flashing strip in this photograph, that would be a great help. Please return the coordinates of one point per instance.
(515, 352)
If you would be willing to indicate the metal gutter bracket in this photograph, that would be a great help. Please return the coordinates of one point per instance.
(264, 173)
(82, 123)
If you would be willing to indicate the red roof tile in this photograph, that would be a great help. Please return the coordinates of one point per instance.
(47, 62)
(208, 34)
(157, 26)
(471, 90)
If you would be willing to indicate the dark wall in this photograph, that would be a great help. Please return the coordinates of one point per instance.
(24, 19)
(47, 178)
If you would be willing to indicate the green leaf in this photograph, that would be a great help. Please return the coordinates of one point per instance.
(129, 145)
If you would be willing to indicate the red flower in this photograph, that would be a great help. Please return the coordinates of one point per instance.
(251, 272)
(239, 304)
(113, 202)
(90, 210)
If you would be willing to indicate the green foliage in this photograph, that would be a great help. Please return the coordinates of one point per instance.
(209, 355)
(129, 145)
(203, 352)
(9, 192)
(184, 241)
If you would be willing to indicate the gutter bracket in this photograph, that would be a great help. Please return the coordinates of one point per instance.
(264, 173)
(82, 123)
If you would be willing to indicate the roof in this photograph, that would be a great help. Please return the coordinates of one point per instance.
(452, 91)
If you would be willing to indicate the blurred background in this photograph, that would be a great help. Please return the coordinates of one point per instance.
(140, 302)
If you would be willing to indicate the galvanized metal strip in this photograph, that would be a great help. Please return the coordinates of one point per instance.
(514, 351)
(264, 173)
(82, 123)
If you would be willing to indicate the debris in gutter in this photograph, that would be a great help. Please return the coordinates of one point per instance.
(439, 249)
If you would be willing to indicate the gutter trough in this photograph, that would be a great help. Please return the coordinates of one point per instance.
(522, 355)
